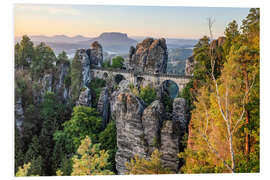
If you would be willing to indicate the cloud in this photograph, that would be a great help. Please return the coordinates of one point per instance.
(48, 9)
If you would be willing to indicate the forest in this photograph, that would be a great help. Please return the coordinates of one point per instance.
(57, 137)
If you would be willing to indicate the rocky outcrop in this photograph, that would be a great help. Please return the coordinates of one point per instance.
(179, 116)
(140, 130)
(149, 56)
(123, 87)
(190, 63)
(217, 42)
(83, 57)
(85, 98)
(152, 122)
(130, 133)
(169, 146)
(103, 106)
(95, 54)
(63, 80)
(47, 83)
(19, 115)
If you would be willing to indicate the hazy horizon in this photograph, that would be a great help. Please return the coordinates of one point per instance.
(135, 21)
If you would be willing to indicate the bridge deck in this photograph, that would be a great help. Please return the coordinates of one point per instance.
(142, 73)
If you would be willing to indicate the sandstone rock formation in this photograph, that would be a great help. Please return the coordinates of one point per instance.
(85, 98)
(152, 122)
(140, 130)
(179, 116)
(63, 70)
(95, 54)
(130, 133)
(47, 83)
(149, 56)
(190, 63)
(103, 106)
(217, 42)
(169, 146)
(83, 57)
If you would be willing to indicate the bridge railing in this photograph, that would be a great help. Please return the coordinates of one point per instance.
(143, 73)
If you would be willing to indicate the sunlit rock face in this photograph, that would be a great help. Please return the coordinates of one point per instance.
(149, 56)
(95, 54)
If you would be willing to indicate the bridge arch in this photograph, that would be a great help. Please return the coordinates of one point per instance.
(118, 78)
(171, 87)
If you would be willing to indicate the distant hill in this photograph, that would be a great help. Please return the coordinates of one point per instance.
(114, 42)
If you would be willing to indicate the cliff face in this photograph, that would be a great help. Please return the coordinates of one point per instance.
(149, 56)
(95, 54)
(92, 57)
(142, 129)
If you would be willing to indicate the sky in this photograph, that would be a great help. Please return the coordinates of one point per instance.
(92, 20)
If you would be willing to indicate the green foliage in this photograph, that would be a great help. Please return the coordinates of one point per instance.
(43, 61)
(62, 57)
(19, 155)
(142, 166)
(24, 52)
(33, 151)
(66, 166)
(107, 140)
(90, 160)
(97, 85)
(84, 121)
(117, 62)
(240, 56)
(36, 166)
(106, 64)
(76, 78)
(167, 102)
(53, 114)
(148, 94)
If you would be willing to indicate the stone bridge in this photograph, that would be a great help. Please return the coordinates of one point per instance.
(140, 78)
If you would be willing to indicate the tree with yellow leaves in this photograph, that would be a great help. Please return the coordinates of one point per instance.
(152, 166)
(90, 160)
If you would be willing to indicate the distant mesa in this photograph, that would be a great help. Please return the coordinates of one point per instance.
(113, 41)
